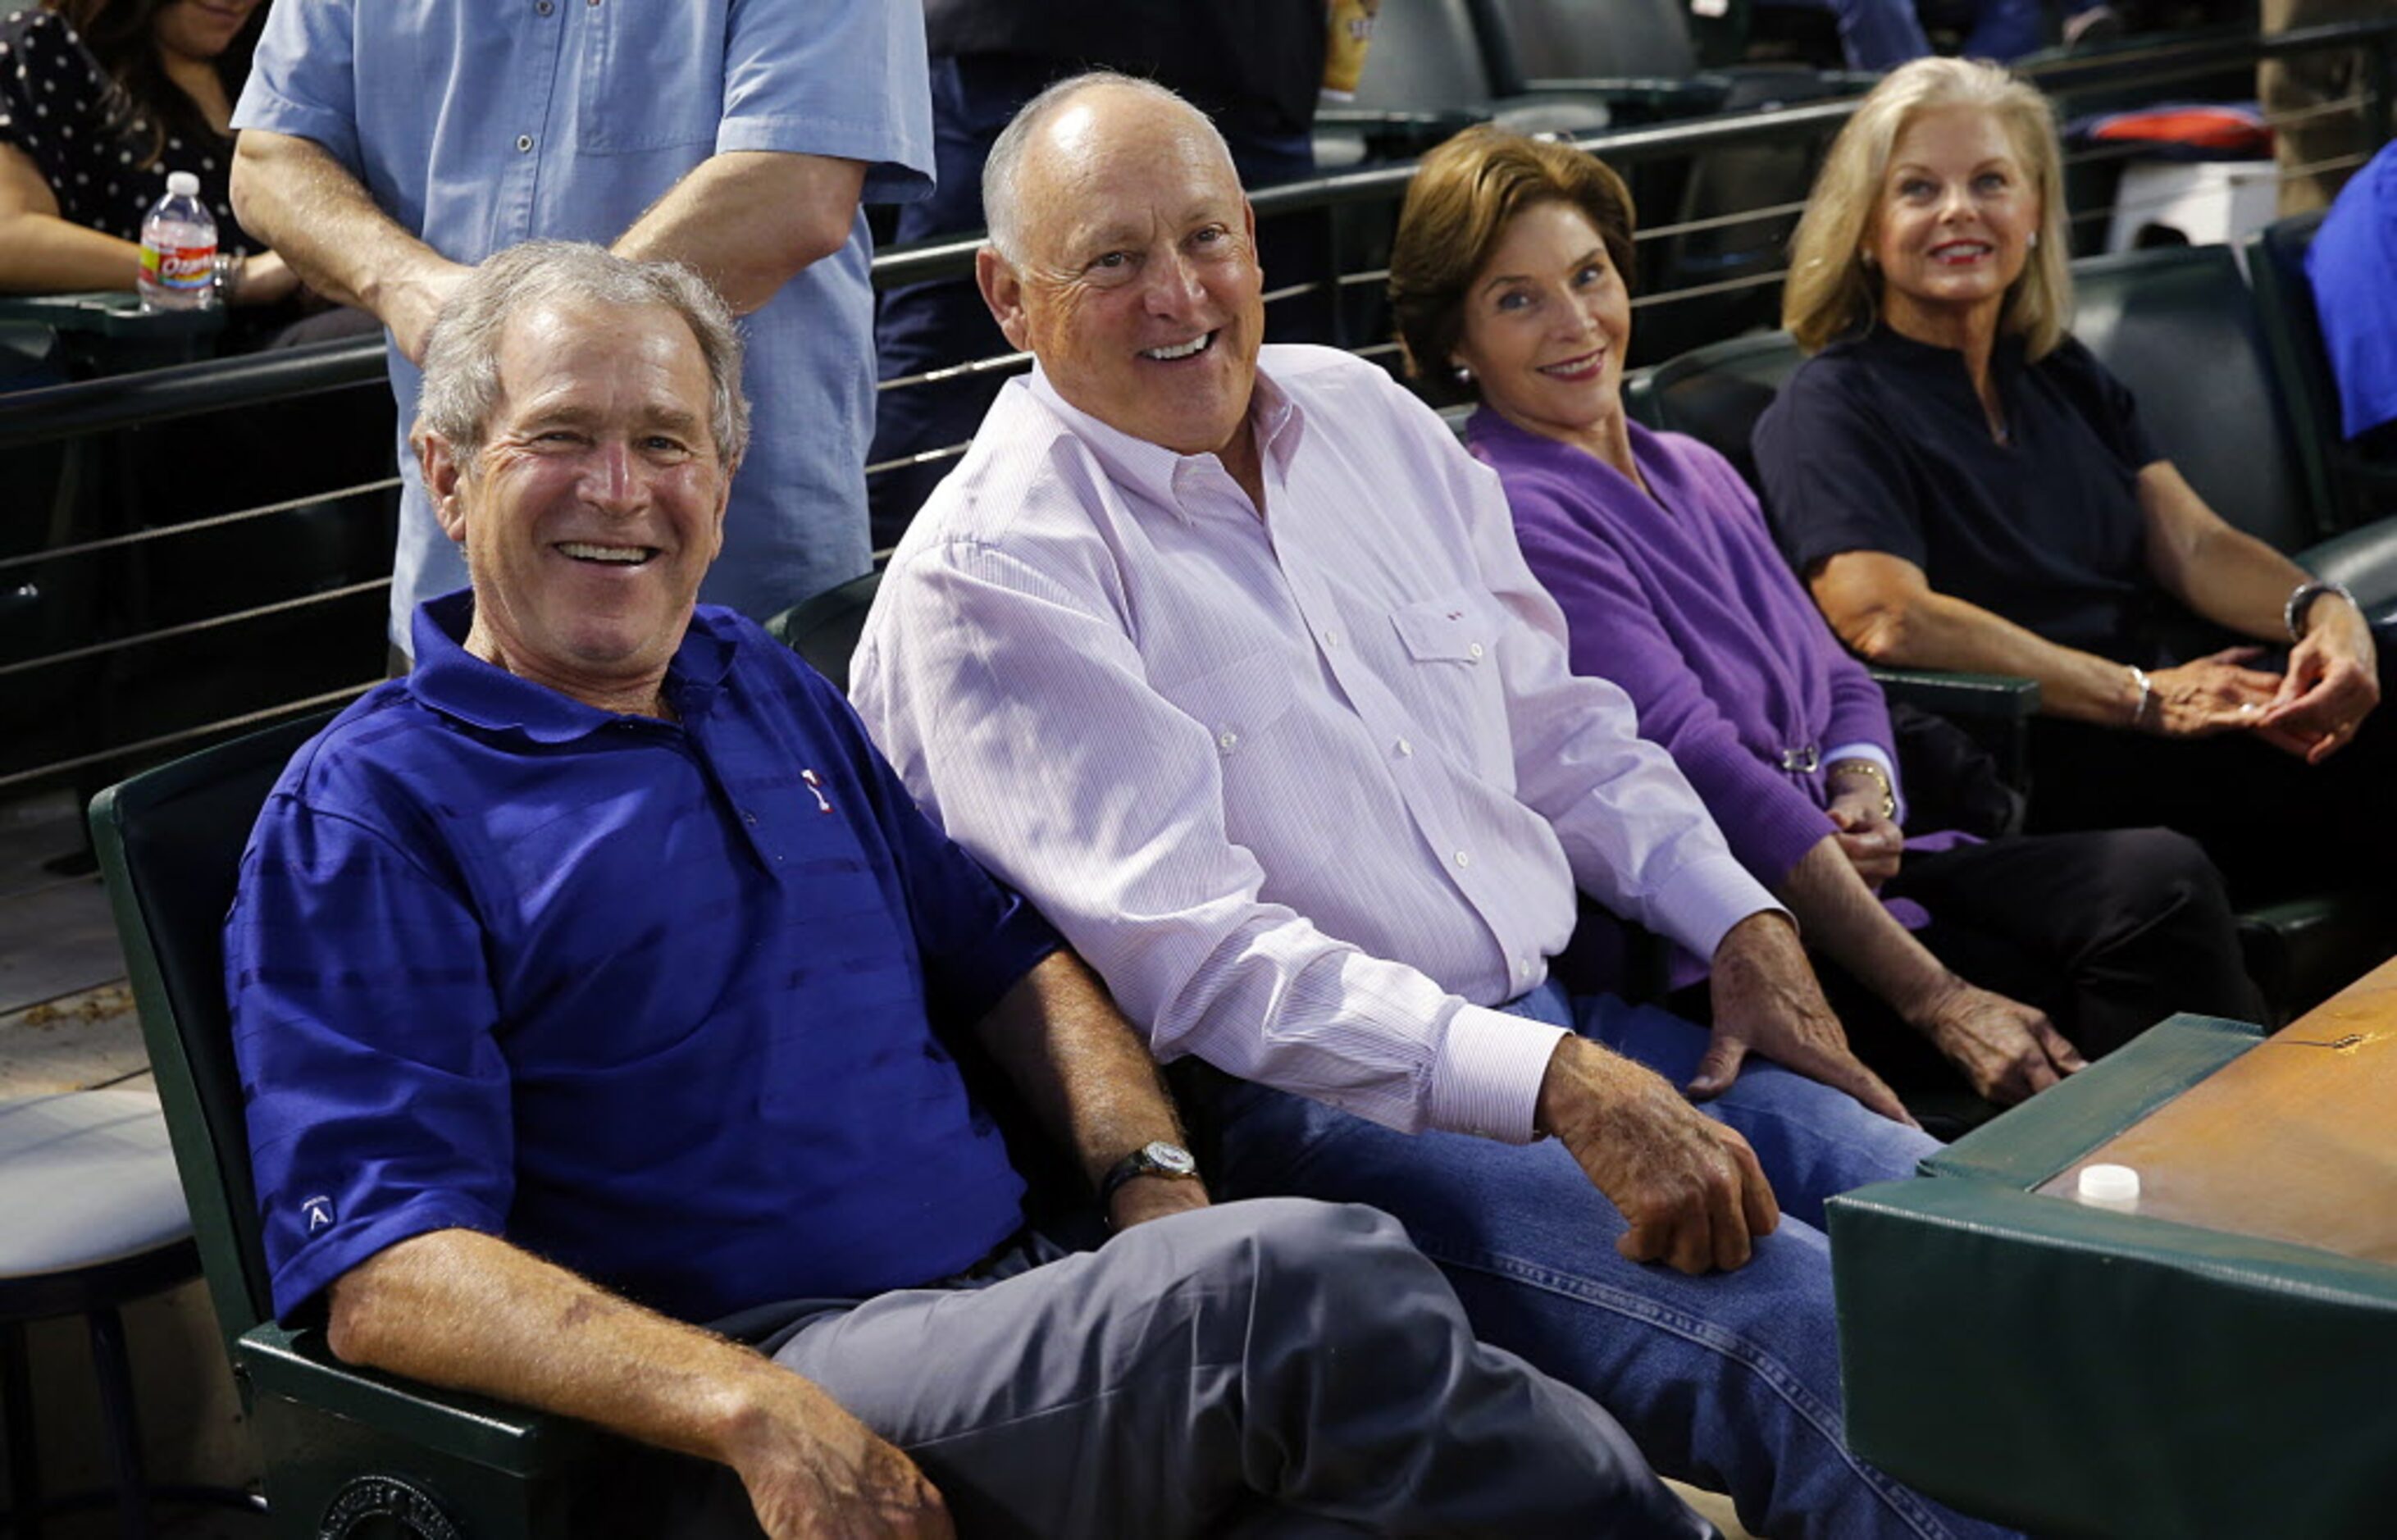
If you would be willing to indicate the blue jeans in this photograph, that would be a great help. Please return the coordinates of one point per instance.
(1730, 1380)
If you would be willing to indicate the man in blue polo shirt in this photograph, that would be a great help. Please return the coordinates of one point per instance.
(599, 978)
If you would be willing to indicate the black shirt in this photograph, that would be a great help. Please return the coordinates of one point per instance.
(55, 107)
(1879, 444)
(1255, 66)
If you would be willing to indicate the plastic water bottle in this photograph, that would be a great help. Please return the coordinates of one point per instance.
(179, 250)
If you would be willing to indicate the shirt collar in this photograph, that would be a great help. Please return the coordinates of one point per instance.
(1486, 426)
(459, 684)
(1154, 472)
(1888, 342)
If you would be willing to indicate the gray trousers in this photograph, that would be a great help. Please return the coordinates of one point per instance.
(1271, 1368)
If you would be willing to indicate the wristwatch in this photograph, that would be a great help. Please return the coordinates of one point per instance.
(1155, 1158)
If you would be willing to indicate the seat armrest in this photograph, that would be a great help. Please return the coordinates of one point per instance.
(2004, 697)
(299, 1366)
(2366, 560)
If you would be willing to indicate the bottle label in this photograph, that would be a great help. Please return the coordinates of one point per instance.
(183, 269)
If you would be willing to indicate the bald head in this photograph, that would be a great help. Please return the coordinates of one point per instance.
(1071, 121)
(1123, 257)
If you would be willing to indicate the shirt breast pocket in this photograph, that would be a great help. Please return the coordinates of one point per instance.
(652, 78)
(1452, 682)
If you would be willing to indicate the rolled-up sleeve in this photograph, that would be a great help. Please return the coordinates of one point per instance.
(301, 79)
(847, 80)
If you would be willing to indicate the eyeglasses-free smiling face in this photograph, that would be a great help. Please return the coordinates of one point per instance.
(1138, 287)
(1953, 224)
(595, 504)
(1546, 322)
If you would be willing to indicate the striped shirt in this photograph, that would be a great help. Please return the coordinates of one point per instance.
(1312, 792)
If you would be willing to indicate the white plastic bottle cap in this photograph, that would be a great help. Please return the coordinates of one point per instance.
(2109, 1184)
(183, 184)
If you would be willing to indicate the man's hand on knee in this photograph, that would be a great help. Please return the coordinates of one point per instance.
(814, 1472)
(1690, 1188)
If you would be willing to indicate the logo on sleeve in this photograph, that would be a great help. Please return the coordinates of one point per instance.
(816, 787)
(319, 1211)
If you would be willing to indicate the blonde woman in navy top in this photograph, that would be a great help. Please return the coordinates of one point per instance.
(1510, 278)
(1962, 486)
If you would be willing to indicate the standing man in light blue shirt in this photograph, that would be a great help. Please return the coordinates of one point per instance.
(388, 147)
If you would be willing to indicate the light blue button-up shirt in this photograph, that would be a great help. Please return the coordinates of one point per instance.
(478, 124)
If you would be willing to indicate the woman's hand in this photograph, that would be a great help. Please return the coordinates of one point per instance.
(2208, 695)
(2332, 685)
(1870, 841)
(265, 279)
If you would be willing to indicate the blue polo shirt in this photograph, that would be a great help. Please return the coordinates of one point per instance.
(664, 1002)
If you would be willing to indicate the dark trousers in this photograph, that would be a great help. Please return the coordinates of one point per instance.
(2274, 824)
(2108, 931)
(923, 327)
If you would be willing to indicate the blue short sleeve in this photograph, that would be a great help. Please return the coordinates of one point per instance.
(376, 1098)
(848, 80)
(301, 80)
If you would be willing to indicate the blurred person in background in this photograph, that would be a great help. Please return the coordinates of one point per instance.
(99, 99)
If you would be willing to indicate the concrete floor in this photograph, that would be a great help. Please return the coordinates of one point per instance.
(67, 1023)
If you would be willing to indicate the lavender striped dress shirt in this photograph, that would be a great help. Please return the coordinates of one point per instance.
(1312, 791)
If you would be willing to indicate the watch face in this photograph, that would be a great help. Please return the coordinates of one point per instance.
(1171, 1158)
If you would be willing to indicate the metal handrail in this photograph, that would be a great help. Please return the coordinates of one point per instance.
(80, 411)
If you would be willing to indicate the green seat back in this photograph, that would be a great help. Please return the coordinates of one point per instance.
(171, 841)
(823, 627)
(2180, 327)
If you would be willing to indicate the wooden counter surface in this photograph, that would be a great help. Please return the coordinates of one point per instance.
(2294, 1140)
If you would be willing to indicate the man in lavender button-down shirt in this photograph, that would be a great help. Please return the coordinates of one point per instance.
(1227, 657)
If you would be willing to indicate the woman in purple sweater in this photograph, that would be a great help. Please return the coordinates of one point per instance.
(1510, 279)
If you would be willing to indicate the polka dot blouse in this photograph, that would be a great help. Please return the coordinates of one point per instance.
(54, 108)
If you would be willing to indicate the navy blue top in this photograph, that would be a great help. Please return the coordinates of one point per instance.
(663, 1003)
(1879, 443)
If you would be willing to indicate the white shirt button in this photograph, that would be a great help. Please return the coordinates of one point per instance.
(1405, 747)
(524, 142)
(1331, 638)
(1464, 858)
(1474, 651)
(1227, 740)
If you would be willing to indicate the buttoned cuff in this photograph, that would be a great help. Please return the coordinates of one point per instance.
(1873, 753)
(1705, 898)
(1486, 1082)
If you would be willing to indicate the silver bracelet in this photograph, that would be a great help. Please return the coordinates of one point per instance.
(2301, 600)
(2147, 695)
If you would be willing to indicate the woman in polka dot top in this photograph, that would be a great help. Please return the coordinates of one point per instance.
(99, 101)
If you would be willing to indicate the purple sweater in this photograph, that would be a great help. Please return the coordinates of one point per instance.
(1683, 600)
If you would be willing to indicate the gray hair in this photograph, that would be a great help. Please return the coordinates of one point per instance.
(462, 359)
(1002, 169)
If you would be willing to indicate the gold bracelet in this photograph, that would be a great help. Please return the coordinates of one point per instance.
(1879, 776)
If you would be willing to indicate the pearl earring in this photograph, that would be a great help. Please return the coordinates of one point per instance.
(1464, 375)
(2034, 240)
